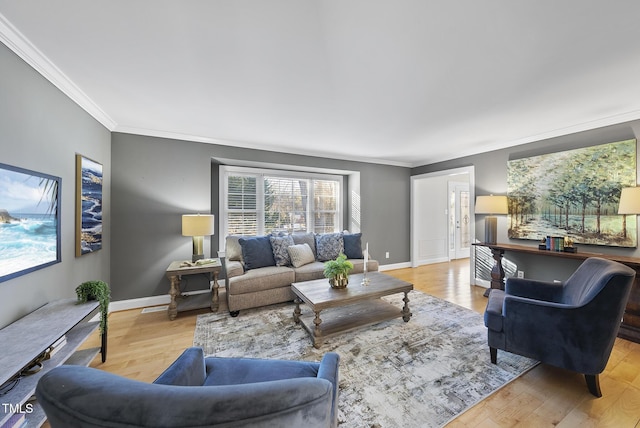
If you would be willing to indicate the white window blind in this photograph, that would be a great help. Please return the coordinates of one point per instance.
(326, 203)
(242, 205)
(258, 202)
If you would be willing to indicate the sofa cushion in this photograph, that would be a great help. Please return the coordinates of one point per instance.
(306, 238)
(280, 246)
(310, 271)
(353, 245)
(267, 278)
(232, 248)
(300, 254)
(256, 252)
(329, 246)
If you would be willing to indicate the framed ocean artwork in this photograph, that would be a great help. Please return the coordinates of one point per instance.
(88, 205)
(573, 194)
(29, 221)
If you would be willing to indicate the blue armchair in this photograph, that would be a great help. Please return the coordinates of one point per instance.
(571, 325)
(196, 391)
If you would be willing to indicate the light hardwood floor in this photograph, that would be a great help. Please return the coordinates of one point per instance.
(141, 346)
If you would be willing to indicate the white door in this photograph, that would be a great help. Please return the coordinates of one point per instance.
(459, 221)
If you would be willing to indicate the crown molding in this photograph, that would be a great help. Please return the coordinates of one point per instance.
(253, 146)
(21, 46)
(602, 122)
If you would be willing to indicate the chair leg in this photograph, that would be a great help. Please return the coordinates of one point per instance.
(494, 355)
(593, 383)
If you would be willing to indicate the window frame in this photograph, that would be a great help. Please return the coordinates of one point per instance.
(260, 173)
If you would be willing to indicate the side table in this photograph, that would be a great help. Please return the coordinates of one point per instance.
(176, 271)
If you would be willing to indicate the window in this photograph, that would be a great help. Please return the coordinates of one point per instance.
(258, 201)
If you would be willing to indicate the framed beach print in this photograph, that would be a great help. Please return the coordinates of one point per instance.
(29, 221)
(88, 205)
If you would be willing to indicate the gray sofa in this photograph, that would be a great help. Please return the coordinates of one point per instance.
(260, 269)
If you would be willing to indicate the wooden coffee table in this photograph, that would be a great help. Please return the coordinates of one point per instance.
(348, 308)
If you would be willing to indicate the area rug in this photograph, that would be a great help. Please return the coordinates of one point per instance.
(393, 374)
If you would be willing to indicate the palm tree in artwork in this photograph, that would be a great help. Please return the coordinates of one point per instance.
(50, 192)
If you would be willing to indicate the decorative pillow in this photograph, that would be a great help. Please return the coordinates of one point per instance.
(280, 244)
(329, 246)
(301, 254)
(232, 249)
(305, 238)
(256, 252)
(353, 245)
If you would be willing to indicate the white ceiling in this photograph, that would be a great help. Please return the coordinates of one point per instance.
(403, 82)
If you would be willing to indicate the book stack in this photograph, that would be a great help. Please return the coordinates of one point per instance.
(555, 243)
(201, 262)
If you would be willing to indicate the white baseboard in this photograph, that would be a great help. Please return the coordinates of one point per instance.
(432, 261)
(143, 302)
(393, 266)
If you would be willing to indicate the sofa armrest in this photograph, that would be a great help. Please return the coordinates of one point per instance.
(358, 265)
(233, 268)
(69, 395)
(534, 289)
(329, 370)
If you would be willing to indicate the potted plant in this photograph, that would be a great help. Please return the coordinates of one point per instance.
(338, 271)
(96, 290)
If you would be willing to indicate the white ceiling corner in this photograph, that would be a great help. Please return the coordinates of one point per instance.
(21, 46)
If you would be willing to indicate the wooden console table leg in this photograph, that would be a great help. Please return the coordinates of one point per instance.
(497, 272)
(174, 292)
(630, 327)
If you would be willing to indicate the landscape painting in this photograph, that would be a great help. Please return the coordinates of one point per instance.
(29, 221)
(88, 205)
(573, 194)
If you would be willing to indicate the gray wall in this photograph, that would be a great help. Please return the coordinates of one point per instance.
(41, 129)
(153, 181)
(156, 180)
(491, 178)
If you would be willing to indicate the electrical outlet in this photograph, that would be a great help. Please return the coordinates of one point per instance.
(386, 255)
(520, 274)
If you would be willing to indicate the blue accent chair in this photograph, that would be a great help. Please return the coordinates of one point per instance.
(571, 325)
(196, 392)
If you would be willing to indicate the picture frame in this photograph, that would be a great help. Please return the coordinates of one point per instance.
(30, 227)
(88, 205)
(573, 194)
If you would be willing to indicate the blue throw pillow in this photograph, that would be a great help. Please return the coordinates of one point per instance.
(353, 245)
(256, 252)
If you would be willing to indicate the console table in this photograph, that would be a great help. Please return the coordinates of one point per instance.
(28, 339)
(630, 327)
(179, 302)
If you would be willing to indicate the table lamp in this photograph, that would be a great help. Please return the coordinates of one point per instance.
(197, 226)
(629, 201)
(491, 205)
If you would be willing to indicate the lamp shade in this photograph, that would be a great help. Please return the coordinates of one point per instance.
(491, 205)
(197, 224)
(629, 201)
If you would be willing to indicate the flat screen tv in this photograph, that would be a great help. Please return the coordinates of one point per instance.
(29, 221)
